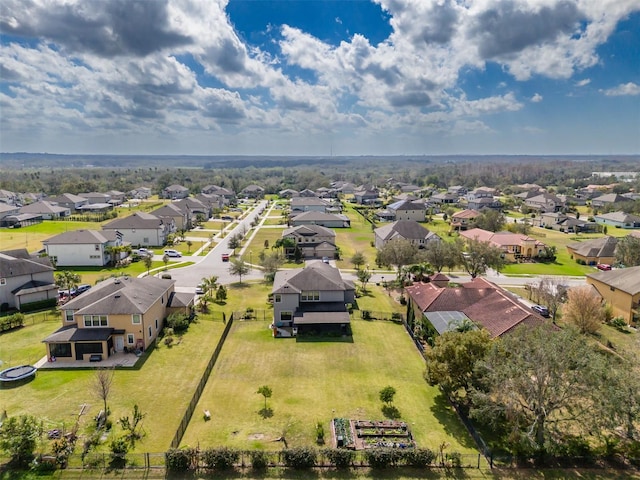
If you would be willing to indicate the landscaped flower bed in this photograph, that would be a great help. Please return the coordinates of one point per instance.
(342, 429)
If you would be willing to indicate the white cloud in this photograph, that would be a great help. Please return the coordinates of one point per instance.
(584, 82)
(537, 98)
(623, 89)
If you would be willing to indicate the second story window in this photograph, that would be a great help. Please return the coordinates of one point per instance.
(68, 315)
(311, 296)
(95, 321)
(136, 319)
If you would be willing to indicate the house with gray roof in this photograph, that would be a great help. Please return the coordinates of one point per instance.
(173, 212)
(594, 251)
(252, 191)
(143, 229)
(404, 229)
(175, 192)
(96, 197)
(25, 279)
(618, 219)
(311, 300)
(68, 200)
(313, 241)
(545, 202)
(309, 204)
(85, 248)
(329, 220)
(46, 210)
(607, 199)
(620, 288)
(117, 315)
(227, 194)
(408, 210)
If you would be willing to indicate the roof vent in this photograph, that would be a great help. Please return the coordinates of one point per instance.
(117, 281)
(117, 296)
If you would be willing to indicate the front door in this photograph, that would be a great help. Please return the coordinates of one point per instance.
(119, 344)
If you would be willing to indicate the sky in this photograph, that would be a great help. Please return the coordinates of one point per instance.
(320, 77)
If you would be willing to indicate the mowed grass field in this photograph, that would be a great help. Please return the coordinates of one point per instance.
(162, 386)
(315, 381)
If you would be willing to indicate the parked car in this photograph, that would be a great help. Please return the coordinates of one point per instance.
(142, 252)
(541, 310)
(172, 253)
(83, 287)
(603, 266)
(199, 290)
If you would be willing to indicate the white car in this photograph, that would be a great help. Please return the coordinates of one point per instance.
(143, 252)
(172, 253)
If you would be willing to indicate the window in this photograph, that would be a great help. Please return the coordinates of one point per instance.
(286, 316)
(156, 324)
(60, 349)
(68, 315)
(277, 297)
(313, 296)
(150, 332)
(145, 240)
(97, 247)
(136, 319)
(130, 338)
(95, 321)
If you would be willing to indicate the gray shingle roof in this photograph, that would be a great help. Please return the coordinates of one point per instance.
(625, 279)
(136, 220)
(408, 229)
(315, 276)
(15, 263)
(309, 231)
(78, 237)
(598, 247)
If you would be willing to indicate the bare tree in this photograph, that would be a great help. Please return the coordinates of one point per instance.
(553, 293)
(584, 309)
(102, 385)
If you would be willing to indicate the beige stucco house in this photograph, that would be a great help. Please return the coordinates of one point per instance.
(621, 289)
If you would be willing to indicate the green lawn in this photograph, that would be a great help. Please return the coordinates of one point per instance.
(91, 275)
(357, 238)
(315, 381)
(162, 387)
(275, 221)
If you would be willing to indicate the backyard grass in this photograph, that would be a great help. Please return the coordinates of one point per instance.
(92, 275)
(275, 221)
(162, 387)
(315, 381)
(357, 238)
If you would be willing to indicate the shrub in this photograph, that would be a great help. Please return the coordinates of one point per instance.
(39, 305)
(339, 457)
(319, 433)
(119, 449)
(453, 459)
(259, 459)
(382, 457)
(366, 315)
(180, 459)
(619, 323)
(419, 457)
(300, 458)
(220, 458)
(168, 340)
(178, 321)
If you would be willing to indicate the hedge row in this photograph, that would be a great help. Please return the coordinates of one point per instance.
(12, 321)
(303, 458)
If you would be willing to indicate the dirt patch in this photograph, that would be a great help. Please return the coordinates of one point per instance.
(256, 436)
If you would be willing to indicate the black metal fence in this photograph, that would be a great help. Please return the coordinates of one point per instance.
(195, 398)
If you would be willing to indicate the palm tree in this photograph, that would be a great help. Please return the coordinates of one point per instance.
(67, 280)
(209, 283)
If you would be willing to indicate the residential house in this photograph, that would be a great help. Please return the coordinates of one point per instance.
(515, 246)
(444, 198)
(464, 219)
(329, 220)
(438, 308)
(618, 219)
(544, 202)
(404, 229)
(484, 202)
(194, 207)
(117, 197)
(621, 289)
(143, 229)
(408, 188)
(7, 210)
(228, 195)
(607, 199)
(96, 197)
(312, 299)
(116, 315)
(564, 223)
(480, 192)
(68, 200)
(594, 251)
(288, 193)
(313, 241)
(308, 204)
(212, 201)
(252, 191)
(85, 248)
(46, 210)
(171, 211)
(25, 279)
(366, 195)
(406, 210)
(307, 193)
(8, 197)
(140, 193)
(175, 192)
(458, 190)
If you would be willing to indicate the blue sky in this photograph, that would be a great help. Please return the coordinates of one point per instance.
(316, 77)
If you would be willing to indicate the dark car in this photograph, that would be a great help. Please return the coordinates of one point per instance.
(82, 288)
(541, 310)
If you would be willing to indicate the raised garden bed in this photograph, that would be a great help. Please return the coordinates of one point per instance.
(363, 434)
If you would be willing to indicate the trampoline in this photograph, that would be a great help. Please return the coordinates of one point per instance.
(15, 374)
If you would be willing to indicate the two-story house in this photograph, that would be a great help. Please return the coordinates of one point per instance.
(175, 192)
(252, 191)
(140, 193)
(464, 219)
(25, 279)
(227, 194)
(544, 202)
(407, 210)
(406, 230)
(116, 315)
(329, 220)
(314, 241)
(85, 248)
(621, 289)
(311, 299)
(143, 229)
(68, 200)
(181, 218)
(308, 204)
